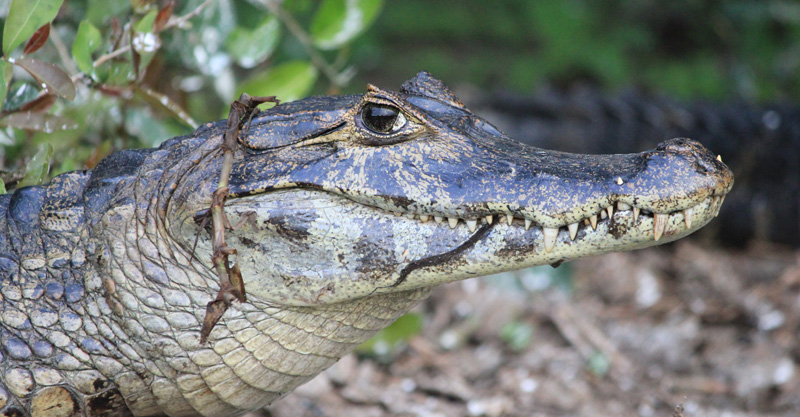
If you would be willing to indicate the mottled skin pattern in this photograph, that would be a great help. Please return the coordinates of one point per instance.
(343, 229)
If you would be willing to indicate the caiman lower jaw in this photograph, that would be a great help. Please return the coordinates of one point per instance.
(306, 247)
(696, 215)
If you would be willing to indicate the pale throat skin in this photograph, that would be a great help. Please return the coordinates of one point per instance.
(350, 210)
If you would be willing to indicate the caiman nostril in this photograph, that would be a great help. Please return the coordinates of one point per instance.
(694, 152)
(681, 146)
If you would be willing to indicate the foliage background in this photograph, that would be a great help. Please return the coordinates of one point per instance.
(719, 50)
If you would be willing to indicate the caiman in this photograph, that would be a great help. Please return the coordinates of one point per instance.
(350, 210)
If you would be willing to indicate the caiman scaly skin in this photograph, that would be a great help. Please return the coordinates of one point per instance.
(352, 209)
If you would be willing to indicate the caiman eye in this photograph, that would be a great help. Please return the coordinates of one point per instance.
(382, 119)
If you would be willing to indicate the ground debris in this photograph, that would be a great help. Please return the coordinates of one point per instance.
(696, 350)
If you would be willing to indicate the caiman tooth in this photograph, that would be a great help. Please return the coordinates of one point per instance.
(410, 216)
(528, 223)
(610, 210)
(573, 230)
(424, 217)
(719, 206)
(603, 214)
(438, 219)
(593, 221)
(659, 224)
(453, 222)
(635, 214)
(623, 206)
(489, 219)
(509, 219)
(550, 234)
(687, 217)
(472, 224)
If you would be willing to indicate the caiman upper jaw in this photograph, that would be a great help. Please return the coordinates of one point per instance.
(689, 216)
(678, 178)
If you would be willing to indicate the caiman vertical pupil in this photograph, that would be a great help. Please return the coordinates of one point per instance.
(380, 118)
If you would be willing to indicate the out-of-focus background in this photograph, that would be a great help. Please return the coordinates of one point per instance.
(707, 326)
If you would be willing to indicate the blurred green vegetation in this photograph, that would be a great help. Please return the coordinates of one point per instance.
(83, 78)
(190, 72)
(389, 340)
(711, 49)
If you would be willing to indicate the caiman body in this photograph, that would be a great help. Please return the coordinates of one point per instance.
(352, 209)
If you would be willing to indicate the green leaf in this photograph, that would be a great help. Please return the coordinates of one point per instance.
(289, 81)
(339, 21)
(392, 337)
(24, 17)
(20, 93)
(146, 24)
(115, 73)
(87, 40)
(6, 70)
(250, 47)
(2, 186)
(38, 167)
(54, 77)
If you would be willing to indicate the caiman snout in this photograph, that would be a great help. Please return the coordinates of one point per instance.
(696, 153)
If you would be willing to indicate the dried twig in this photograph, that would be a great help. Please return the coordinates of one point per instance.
(231, 285)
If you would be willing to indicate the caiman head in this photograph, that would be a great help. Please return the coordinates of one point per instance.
(339, 198)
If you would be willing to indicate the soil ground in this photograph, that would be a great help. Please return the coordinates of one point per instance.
(682, 330)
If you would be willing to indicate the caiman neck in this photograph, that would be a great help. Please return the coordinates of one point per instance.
(258, 352)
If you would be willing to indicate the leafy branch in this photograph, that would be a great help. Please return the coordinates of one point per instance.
(113, 51)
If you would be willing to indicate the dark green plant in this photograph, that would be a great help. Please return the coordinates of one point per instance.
(85, 77)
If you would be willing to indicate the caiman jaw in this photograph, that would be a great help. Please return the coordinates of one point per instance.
(697, 215)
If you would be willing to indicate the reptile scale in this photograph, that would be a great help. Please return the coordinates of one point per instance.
(355, 208)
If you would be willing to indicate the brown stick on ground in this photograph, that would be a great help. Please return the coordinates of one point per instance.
(231, 285)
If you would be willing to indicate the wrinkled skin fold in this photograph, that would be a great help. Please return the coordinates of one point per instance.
(349, 210)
